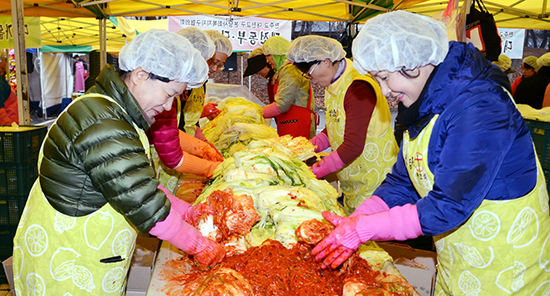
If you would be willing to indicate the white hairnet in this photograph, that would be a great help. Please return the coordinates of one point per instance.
(199, 40)
(311, 48)
(544, 60)
(531, 61)
(276, 45)
(221, 42)
(503, 62)
(399, 40)
(165, 54)
(256, 52)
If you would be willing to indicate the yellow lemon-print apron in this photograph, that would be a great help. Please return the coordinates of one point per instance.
(192, 110)
(502, 249)
(359, 179)
(56, 254)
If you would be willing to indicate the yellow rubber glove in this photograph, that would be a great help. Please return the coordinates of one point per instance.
(199, 148)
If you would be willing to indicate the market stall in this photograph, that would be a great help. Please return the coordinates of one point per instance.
(267, 202)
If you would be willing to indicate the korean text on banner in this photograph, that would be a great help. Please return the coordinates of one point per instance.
(33, 37)
(245, 33)
(512, 42)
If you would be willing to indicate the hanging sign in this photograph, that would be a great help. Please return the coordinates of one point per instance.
(33, 37)
(245, 33)
(512, 42)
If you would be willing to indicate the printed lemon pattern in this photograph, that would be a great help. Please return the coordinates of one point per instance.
(390, 152)
(469, 284)
(543, 289)
(59, 255)
(501, 249)
(372, 179)
(36, 240)
(543, 198)
(122, 242)
(35, 285)
(113, 280)
(544, 258)
(70, 264)
(473, 257)
(517, 235)
(63, 263)
(485, 225)
(172, 183)
(371, 152)
(96, 236)
(63, 222)
(517, 272)
(18, 252)
(83, 278)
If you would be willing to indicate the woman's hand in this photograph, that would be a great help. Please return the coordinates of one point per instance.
(341, 242)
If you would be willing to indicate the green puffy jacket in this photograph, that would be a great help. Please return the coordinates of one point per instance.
(93, 155)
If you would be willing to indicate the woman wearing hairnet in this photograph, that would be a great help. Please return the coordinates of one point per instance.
(532, 91)
(175, 134)
(358, 119)
(529, 69)
(257, 64)
(466, 173)
(77, 232)
(223, 49)
(294, 106)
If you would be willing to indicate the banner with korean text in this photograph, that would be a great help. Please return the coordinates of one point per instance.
(33, 37)
(245, 33)
(512, 42)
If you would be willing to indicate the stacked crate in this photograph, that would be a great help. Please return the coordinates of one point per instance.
(540, 132)
(19, 148)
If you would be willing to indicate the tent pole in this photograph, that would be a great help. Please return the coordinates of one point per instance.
(42, 97)
(102, 42)
(249, 77)
(18, 23)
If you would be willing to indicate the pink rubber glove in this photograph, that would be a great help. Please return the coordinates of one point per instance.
(210, 110)
(371, 205)
(189, 213)
(186, 238)
(321, 141)
(271, 111)
(399, 223)
(331, 163)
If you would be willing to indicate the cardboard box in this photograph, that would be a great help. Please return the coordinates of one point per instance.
(8, 269)
(143, 263)
(417, 266)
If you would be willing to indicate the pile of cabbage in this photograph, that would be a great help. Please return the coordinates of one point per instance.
(239, 122)
(268, 168)
(285, 191)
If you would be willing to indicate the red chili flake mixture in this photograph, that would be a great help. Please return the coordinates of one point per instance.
(272, 269)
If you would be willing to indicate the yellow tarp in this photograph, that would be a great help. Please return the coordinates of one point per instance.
(527, 14)
(85, 31)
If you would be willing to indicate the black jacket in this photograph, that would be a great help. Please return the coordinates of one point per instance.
(531, 90)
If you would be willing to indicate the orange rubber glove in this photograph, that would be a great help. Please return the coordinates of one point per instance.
(191, 164)
(199, 148)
